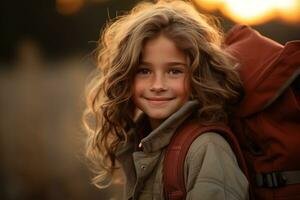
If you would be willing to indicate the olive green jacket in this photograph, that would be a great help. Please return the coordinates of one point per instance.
(211, 168)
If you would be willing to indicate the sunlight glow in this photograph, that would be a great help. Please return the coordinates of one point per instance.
(69, 7)
(255, 11)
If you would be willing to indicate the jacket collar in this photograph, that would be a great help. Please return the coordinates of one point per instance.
(161, 136)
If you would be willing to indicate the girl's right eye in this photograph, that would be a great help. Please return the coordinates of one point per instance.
(143, 71)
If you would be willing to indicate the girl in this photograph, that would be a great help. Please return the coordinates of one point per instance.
(160, 65)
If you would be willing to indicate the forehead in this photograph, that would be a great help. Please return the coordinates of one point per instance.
(162, 49)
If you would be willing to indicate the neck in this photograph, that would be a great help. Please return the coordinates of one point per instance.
(154, 123)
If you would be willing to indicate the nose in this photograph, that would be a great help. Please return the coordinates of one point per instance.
(158, 83)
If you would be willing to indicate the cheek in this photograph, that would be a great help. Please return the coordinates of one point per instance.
(137, 89)
(137, 86)
(184, 89)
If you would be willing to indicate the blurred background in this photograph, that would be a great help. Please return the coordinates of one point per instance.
(46, 55)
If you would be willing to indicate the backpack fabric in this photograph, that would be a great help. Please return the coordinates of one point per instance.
(266, 137)
(173, 168)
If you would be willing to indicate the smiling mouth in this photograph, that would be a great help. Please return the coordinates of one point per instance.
(158, 101)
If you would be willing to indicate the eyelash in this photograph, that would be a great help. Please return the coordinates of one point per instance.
(145, 71)
(175, 71)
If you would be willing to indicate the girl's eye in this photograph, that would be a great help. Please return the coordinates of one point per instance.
(143, 71)
(175, 71)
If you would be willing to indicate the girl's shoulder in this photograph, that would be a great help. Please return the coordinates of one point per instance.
(210, 162)
(211, 143)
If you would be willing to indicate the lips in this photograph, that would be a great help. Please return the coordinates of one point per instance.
(158, 100)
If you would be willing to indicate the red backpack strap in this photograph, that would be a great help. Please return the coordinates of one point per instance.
(173, 168)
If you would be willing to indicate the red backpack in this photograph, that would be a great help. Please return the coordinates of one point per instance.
(266, 137)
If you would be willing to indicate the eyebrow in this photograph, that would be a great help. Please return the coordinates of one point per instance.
(167, 63)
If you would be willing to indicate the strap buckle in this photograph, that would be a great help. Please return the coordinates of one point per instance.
(270, 180)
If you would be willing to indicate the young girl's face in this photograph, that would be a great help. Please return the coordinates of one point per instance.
(161, 82)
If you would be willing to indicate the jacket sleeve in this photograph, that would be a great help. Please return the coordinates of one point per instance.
(212, 171)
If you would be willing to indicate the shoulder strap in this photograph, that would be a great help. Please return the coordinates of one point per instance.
(173, 167)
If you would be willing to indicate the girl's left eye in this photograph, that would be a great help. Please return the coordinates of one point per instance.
(175, 71)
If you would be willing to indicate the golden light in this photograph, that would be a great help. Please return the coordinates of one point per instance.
(255, 11)
(69, 7)
(210, 4)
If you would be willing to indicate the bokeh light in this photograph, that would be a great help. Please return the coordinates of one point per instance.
(253, 12)
(69, 7)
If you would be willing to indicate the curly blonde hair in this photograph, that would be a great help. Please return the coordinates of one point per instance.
(214, 80)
